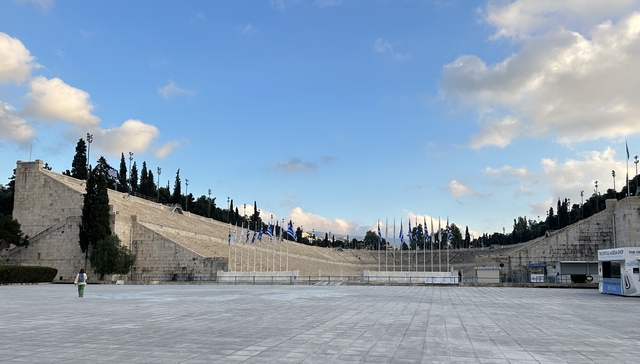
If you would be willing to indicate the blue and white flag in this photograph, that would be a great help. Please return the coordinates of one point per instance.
(410, 234)
(253, 238)
(229, 238)
(427, 238)
(447, 232)
(401, 236)
(291, 233)
(241, 232)
(269, 232)
(379, 233)
(260, 234)
(248, 231)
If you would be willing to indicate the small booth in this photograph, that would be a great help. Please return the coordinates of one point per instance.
(487, 274)
(537, 272)
(619, 271)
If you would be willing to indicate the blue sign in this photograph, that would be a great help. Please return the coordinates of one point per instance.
(536, 264)
(612, 285)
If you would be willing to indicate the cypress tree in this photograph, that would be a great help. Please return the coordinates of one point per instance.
(123, 185)
(144, 180)
(79, 163)
(95, 212)
(133, 180)
(177, 193)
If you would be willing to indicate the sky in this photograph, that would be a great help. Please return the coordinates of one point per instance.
(335, 114)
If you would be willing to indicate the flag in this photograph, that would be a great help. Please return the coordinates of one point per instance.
(260, 234)
(627, 145)
(426, 230)
(248, 231)
(269, 232)
(379, 234)
(401, 236)
(229, 238)
(275, 241)
(241, 232)
(410, 234)
(447, 232)
(290, 232)
(253, 238)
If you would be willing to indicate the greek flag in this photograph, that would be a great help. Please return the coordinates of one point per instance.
(253, 238)
(447, 232)
(229, 238)
(401, 236)
(248, 231)
(290, 232)
(260, 234)
(268, 232)
(427, 238)
(379, 233)
(410, 234)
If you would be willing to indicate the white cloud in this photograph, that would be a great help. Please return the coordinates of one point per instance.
(458, 189)
(521, 19)
(166, 149)
(131, 136)
(310, 221)
(16, 62)
(564, 85)
(327, 3)
(296, 165)
(506, 169)
(382, 46)
(13, 128)
(171, 89)
(248, 29)
(525, 190)
(55, 100)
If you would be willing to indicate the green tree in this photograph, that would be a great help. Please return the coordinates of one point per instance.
(153, 189)
(79, 168)
(108, 256)
(133, 179)
(456, 236)
(145, 189)
(10, 233)
(104, 169)
(165, 195)
(177, 192)
(123, 184)
(7, 195)
(94, 224)
(467, 237)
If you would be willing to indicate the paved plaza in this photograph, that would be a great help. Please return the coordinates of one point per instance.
(315, 324)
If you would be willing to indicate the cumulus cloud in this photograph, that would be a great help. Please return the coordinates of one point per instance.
(311, 221)
(382, 46)
(171, 90)
(567, 85)
(166, 149)
(523, 18)
(16, 62)
(296, 165)
(13, 128)
(55, 100)
(458, 189)
(131, 136)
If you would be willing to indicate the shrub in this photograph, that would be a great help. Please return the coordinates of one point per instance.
(26, 274)
(579, 278)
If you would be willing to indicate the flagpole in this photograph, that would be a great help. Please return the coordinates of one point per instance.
(394, 244)
(378, 245)
(627, 145)
(448, 233)
(424, 246)
(416, 246)
(439, 246)
(431, 245)
(386, 244)
(241, 236)
(401, 244)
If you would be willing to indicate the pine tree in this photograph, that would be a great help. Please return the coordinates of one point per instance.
(95, 212)
(144, 180)
(108, 256)
(104, 169)
(152, 185)
(123, 185)
(133, 180)
(177, 192)
(79, 163)
(467, 237)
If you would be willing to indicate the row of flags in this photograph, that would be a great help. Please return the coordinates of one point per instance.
(257, 233)
(428, 238)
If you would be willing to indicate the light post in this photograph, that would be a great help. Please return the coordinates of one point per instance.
(228, 211)
(581, 205)
(636, 160)
(159, 170)
(613, 174)
(209, 211)
(186, 190)
(597, 199)
(89, 140)
(130, 159)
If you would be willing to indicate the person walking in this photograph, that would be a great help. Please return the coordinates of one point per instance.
(80, 281)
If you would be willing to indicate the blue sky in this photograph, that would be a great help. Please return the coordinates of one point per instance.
(331, 113)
